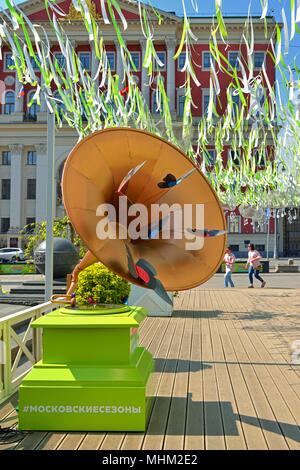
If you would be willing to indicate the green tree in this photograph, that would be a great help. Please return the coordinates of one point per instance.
(62, 227)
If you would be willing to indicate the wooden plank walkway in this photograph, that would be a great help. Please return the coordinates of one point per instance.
(224, 378)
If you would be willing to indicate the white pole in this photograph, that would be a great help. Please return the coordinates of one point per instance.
(50, 204)
(268, 235)
(275, 235)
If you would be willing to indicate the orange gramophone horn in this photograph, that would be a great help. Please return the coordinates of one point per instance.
(142, 168)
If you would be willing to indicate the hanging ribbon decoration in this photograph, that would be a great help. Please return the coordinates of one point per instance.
(249, 123)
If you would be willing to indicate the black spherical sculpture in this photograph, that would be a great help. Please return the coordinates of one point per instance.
(65, 257)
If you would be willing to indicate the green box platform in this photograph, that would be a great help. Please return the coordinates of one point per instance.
(92, 376)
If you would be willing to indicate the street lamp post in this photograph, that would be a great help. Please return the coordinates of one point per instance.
(50, 204)
(275, 236)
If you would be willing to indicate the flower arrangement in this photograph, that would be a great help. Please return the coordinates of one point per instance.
(97, 284)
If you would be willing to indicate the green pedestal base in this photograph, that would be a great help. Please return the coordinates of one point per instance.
(92, 377)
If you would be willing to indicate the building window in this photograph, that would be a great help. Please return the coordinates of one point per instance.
(155, 109)
(236, 102)
(84, 58)
(181, 101)
(259, 158)
(162, 57)
(135, 56)
(259, 113)
(60, 58)
(207, 60)
(235, 156)
(31, 158)
(34, 108)
(259, 228)
(235, 248)
(210, 157)
(5, 189)
(233, 59)
(6, 158)
(260, 248)
(30, 224)
(84, 111)
(259, 58)
(135, 78)
(181, 60)
(33, 62)
(234, 224)
(5, 223)
(8, 61)
(205, 102)
(9, 105)
(111, 60)
(60, 106)
(31, 189)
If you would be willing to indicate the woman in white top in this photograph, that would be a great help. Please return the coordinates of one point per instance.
(229, 260)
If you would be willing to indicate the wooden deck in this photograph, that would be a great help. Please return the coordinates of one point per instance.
(224, 377)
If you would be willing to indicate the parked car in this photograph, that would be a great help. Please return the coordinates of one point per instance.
(11, 255)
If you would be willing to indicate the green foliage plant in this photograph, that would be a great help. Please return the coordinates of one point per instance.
(97, 284)
(62, 227)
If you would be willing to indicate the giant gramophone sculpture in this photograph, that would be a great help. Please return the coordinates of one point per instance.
(147, 213)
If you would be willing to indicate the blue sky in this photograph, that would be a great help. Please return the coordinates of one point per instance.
(207, 7)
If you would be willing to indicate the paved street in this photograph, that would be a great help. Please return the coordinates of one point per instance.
(17, 279)
(273, 280)
(6, 309)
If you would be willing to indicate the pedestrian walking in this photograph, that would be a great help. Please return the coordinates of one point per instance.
(254, 264)
(229, 260)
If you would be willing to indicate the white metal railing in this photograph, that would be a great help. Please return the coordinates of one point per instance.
(13, 346)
